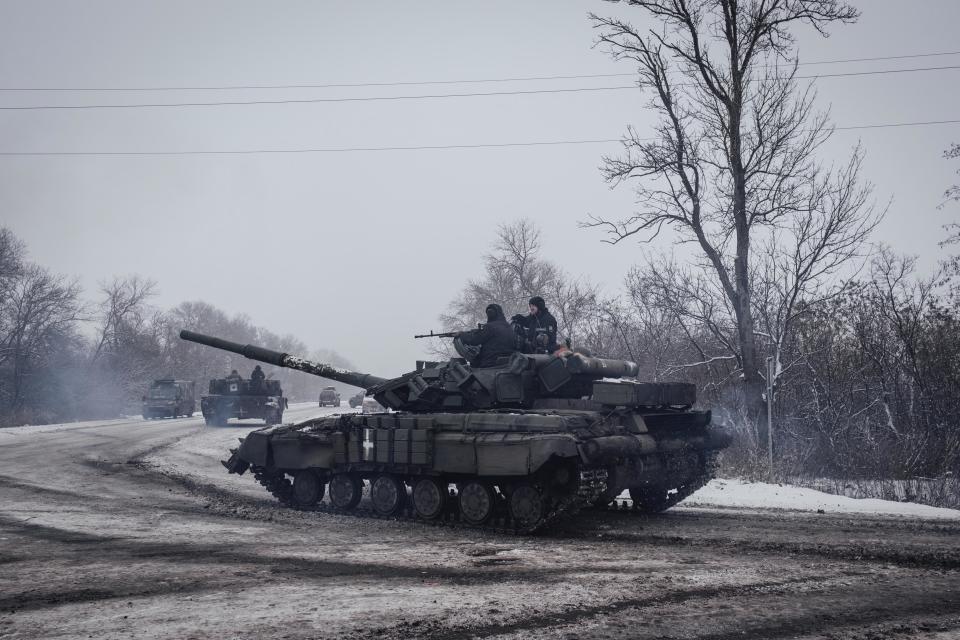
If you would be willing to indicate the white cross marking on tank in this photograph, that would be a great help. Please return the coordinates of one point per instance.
(368, 444)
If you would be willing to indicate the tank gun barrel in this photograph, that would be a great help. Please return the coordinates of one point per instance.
(253, 352)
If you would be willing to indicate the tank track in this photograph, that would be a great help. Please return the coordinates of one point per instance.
(707, 473)
(592, 484)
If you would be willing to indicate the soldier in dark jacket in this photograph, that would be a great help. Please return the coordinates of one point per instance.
(495, 339)
(539, 328)
(257, 377)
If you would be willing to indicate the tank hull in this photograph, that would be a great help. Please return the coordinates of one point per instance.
(533, 467)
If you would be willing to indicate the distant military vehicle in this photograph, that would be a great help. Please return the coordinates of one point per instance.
(329, 396)
(526, 442)
(370, 405)
(235, 397)
(169, 398)
(357, 400)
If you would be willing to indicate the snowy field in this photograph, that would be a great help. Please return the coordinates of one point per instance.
(760, 495)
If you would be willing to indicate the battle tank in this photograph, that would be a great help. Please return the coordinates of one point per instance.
(511, 447)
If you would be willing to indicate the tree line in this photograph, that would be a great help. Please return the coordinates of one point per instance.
(64, 358)
(868, 377)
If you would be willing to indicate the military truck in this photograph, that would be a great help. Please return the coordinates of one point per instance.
(235, 397)
(329, 396)
(515, 447)
(169, 398)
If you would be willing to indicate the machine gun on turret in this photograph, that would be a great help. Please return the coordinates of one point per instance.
(446, 334)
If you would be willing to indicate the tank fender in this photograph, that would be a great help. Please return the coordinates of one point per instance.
(518, 454)
(302, 451)
(502, 454)
(545, 448)
(255, 448)
(609, 449)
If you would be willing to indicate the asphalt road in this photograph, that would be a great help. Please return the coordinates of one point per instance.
(131, 529)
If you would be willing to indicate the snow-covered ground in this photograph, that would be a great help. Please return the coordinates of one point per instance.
(760, 495)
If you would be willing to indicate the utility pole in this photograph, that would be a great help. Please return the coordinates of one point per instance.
(771, 373)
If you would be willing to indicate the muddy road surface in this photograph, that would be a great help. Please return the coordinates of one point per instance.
(132, 529)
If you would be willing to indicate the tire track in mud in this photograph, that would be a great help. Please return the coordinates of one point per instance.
(869, 609)
(53, 534)
(839, 620)
(163, 445)
(941, 558)
(580, 614)
(14, 483)
(37, 599)
(112, 550)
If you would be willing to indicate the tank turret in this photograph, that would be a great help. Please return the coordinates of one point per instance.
(520, 381)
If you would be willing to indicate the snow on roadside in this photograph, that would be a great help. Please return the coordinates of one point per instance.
(760, 495)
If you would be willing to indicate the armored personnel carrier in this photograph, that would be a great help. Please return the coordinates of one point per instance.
(513, 447)
(239, 398)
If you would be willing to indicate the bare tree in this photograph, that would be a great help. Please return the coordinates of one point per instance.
(122, 309)
(12, 266)
(953, 193)
(733, 160)
(39, 308)
(515, 271)
(12, 253)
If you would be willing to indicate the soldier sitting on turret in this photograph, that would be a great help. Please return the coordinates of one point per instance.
(538, 330)
(495, 339)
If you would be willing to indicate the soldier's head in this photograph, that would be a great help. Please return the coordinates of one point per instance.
(494, 312)
(537, 305)
(256, 368)
(233, 372)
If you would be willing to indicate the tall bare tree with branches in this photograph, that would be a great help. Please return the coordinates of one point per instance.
(515, 271)
(732, 168)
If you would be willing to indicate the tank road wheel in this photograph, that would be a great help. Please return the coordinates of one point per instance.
(388, 494)
(527, 505)
(429, 498)
(476, 502)
(345, 490)
(307, 488)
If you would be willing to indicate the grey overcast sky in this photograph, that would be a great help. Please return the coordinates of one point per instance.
(358, 251)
